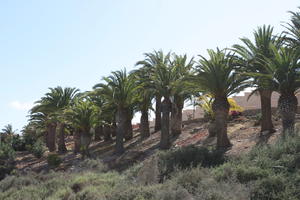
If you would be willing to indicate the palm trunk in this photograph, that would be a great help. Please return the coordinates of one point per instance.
(266, 111)
(61, 139)
(77, 141)
(129, 130)
(107, 133)
(121, 129)
(157, 113)
(144, 124)
(98, 132)
(51, 136)
(287, 106)
(176, 118)
(220, 107)
(85, 141)
(165, 124)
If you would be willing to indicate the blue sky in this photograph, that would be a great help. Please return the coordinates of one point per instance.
(74, 43)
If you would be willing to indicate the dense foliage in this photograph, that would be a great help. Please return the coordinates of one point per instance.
(266, 173)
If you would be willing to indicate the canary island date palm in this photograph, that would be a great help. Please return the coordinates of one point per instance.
(216, 75)
(98, 102)
(42, 121)
(109, 111)
(293, 30)
(145, 94)
(83, 116)
(43, 118)
(163, 80)
(53, 105)
(106, 115)
(7, 133)
(251, 54)
(284, 72)
(150, 63)
(119, 89)
(181, 89)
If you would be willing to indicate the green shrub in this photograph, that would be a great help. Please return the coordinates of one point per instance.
(186, 157)
(245, 174)
(199, 184)
(17, 182)
(190, 179)
(173, 192)
(288, 145)
(29, 139)
(28, 147)
(270, 188)
(18, 143)
(6, 152)
(38, 149)
(224, 172)
(53, 160)
(7, 155)
(239, 172)
(92, 164)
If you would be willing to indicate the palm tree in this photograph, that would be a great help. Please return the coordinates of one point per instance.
(109, 112)
(284, 73)
(98, 101)
(83, 117)
(293, 30)
(120, 90)
(7, 133)
(53, 105)
(151, 62)
(216, 76)
(163, 82)
(8, 130)
(251, 55)
(41, 119)
(182, 90)
(144, 98)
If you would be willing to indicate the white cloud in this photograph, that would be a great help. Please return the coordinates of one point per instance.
(24, 106)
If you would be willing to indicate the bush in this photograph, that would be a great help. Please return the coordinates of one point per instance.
(38, 149)
(92, 164)
(199, 184)
(186, 157)
(28, 147)
(173, 192)
(7, 155)
(18, 143)
(270, 188)
(29, 139)
(239, 172)
(6, 152)
(17, 182)
(53, 160)
(245, 174)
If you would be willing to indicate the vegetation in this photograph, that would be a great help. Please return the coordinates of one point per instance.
(53, 160)
(38, 149)
(267, 172)
(268, 63)
(205, 102)
(217, 76)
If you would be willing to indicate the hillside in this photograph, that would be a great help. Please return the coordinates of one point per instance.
(246, 171)
(243, 133)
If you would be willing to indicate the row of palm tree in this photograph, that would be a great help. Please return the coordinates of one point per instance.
(268, 63)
